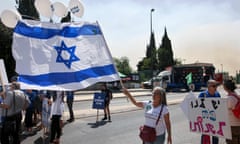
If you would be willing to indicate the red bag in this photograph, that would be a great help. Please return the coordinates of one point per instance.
(206, 139)
(147, 134)
(236, 110)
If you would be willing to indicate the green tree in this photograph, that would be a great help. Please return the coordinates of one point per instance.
(165, 53)
(122, 65)
(178, 61)
(6, 51)
(156, 59)
(27, 9)
(67, 18)
(151, 48)
(149, 62)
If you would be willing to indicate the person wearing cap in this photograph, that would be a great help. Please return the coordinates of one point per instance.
(211, 92)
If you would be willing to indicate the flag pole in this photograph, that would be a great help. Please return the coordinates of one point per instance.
(110, 55)
(121, 83)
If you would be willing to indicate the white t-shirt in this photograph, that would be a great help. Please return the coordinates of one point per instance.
(232, 101)
(151, 115)
(57, 108)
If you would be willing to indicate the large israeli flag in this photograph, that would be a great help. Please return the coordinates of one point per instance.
(64, 56)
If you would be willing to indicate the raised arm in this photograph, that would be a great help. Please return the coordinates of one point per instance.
(128, 94)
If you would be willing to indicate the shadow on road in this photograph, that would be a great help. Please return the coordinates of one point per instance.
(97, 124)
(42, 140)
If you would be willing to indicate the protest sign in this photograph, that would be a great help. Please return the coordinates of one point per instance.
(184, 103)
(209, 116)
(99, 101)
(3, 74)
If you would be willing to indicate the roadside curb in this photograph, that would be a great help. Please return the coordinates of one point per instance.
(115, 97)
(79, 114)
(87, 96)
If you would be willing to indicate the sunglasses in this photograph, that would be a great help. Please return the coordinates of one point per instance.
(155, 93)
(214, 86)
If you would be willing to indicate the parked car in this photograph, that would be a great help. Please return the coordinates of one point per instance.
(153, 82)
(147, 84)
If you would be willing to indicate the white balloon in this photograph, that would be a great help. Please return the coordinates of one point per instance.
(10, 18)
(44, 7)
(59, 9)
(76, 8)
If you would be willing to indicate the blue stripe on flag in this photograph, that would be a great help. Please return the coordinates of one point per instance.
(63, 78)
(46, 33)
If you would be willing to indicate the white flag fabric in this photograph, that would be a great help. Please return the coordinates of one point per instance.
(63, 56)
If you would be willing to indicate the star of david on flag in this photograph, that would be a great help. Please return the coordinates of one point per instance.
(64, 56)
(70, 51)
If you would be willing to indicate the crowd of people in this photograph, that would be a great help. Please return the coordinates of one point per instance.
(29, 111)
(22, 112)
(48, 107)
(159, 105)
(232, 99)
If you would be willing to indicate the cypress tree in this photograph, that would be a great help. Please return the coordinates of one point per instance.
(27, 9)
(165, 52)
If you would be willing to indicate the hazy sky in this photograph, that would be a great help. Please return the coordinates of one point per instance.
(200, 30)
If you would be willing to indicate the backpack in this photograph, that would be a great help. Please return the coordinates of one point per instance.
(236, 110)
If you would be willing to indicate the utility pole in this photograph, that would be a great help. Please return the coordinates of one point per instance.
(151, 31)
(152, 10)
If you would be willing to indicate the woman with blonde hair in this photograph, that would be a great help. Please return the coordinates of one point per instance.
(157, 108)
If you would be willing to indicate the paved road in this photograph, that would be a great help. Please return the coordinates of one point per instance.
(76, 131)
(85, 98)
(83, 102)
(122, 130)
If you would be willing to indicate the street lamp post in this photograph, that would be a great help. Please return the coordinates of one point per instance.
(222, 68)
(152, 10)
